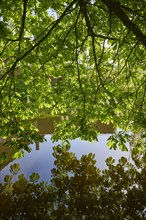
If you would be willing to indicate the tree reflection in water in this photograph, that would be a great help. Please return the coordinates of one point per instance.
(78, 190)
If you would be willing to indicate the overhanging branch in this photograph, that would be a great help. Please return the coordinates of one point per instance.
(116, 8)
(23, 19)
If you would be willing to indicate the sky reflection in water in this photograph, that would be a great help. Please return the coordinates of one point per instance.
(42, 161)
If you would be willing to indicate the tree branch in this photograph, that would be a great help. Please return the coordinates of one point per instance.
(23, 19)
(116, 8)
(90, 31)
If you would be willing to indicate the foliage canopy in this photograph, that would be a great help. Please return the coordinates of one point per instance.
(81, 58)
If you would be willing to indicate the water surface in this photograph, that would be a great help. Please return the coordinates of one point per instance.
(40, 160)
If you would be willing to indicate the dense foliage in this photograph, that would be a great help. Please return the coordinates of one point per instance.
(84, 60)
(80, 58)
(78, 190)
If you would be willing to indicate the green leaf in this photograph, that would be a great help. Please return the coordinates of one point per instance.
(3, 157)
(34, 177)
(18, 154)
(14, 168)
(8, 179)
